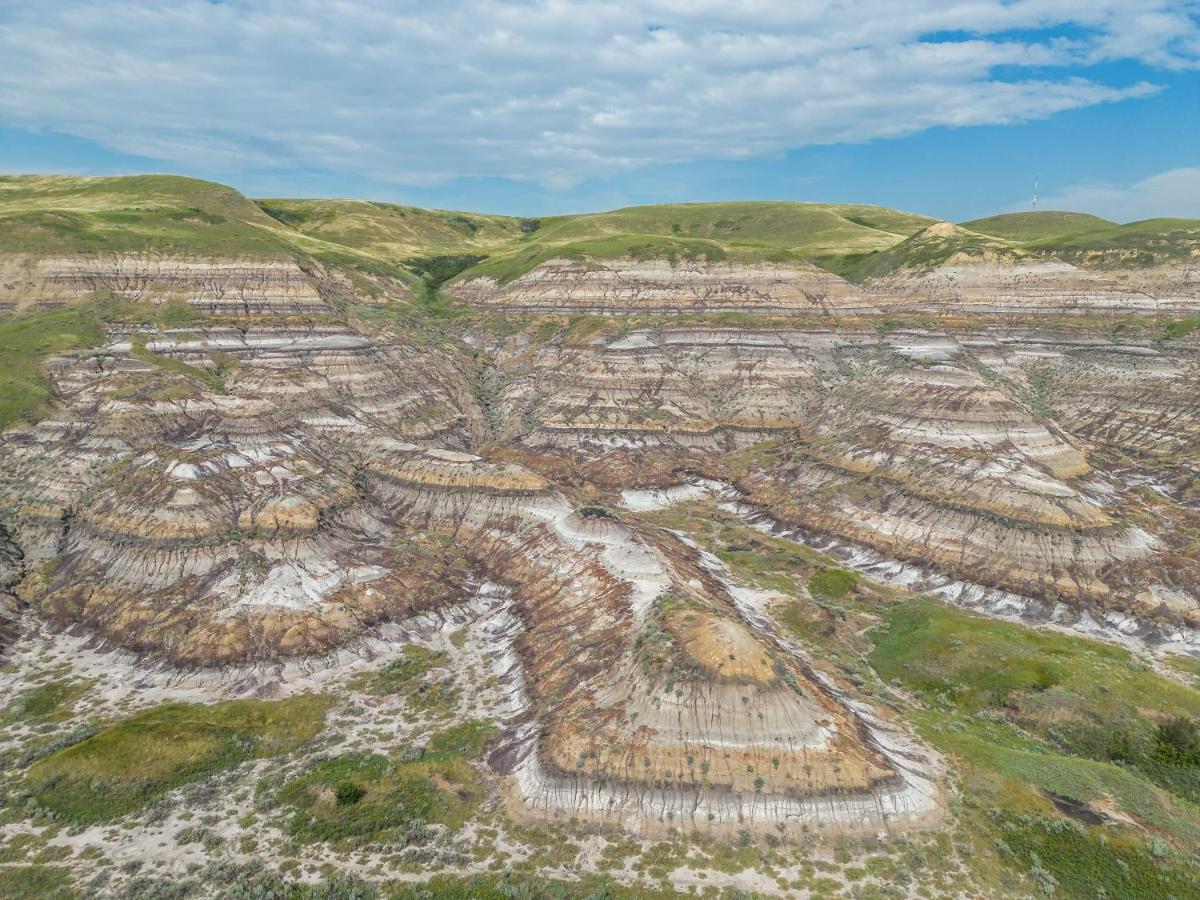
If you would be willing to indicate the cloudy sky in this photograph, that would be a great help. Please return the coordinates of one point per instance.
(949, 107)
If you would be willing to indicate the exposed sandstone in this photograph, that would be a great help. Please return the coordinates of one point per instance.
(655, 286)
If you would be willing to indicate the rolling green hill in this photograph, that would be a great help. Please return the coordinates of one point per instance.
(929, 248)
(1037, 226)
(167, 213)
(173, 214)
(155, 213)
(747, 232)
(396, 232)
(1136, 243)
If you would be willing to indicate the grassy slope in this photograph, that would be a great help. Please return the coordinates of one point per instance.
(1137, 243)
(131, 763)
(1021, 714)
(751, 231)
(156, 213)
(928, 248)
(384, 798)
(1038, 722)
(1036, 226)
(394, 232)
(25, 343)
(165, 213)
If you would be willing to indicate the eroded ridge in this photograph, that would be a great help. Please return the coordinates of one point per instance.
(662, 287)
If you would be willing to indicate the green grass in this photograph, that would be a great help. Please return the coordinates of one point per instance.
(469, 738)
(359, 798)
(125, 766)
(832, 584)
(1067, 860)
(29, 339)
(977, 663)
(1141, 243)
(26, 341)
(140, 213)
(1034, 226)
(1036, 718)
(213, 378)
(741, 232)
(392, 232)
(1181, 328)
(926, 250)
(505, 268)
(1188, 665)
(50, 702)
(511, 886)
(35, 883)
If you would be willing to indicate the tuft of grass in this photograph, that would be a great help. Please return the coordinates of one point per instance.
(467, 739)
(1180, 328)
(832, 584)
(122, 768)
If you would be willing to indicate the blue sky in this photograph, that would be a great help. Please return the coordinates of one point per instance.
(946, 108)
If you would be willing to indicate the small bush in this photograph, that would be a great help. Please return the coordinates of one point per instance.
(348, 793)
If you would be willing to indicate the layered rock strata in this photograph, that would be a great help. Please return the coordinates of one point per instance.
(915, 443)
(243, 286)
(660, 287)
(1017, 288)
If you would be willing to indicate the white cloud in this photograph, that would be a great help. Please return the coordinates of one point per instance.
(556, 90)
(1174, 193)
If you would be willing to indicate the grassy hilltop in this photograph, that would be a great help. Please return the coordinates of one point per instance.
(173, 214)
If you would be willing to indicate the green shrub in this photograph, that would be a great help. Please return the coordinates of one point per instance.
(832, 584)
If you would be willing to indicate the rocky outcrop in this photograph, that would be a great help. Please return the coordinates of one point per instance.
(1014, 287)
(235, 492)
(222, 285)
(926, 446)
(212, 525)
(660, 287)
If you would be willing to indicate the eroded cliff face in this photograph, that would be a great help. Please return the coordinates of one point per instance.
(271, 483)
(660, 287)
(927, 446)
(243, 286)
(1021, 287)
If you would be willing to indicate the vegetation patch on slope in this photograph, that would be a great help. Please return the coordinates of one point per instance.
(125, 766)
(26, 341)
(360, 798)
(394, 232)
(928, 249)
(1028, 716)
(754, 232)
(1149, 242)
(49, 702)
(139, 213)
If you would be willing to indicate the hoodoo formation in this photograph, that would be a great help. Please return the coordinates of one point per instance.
(648, 502)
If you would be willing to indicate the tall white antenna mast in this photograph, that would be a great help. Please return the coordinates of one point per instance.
(1035, 189)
